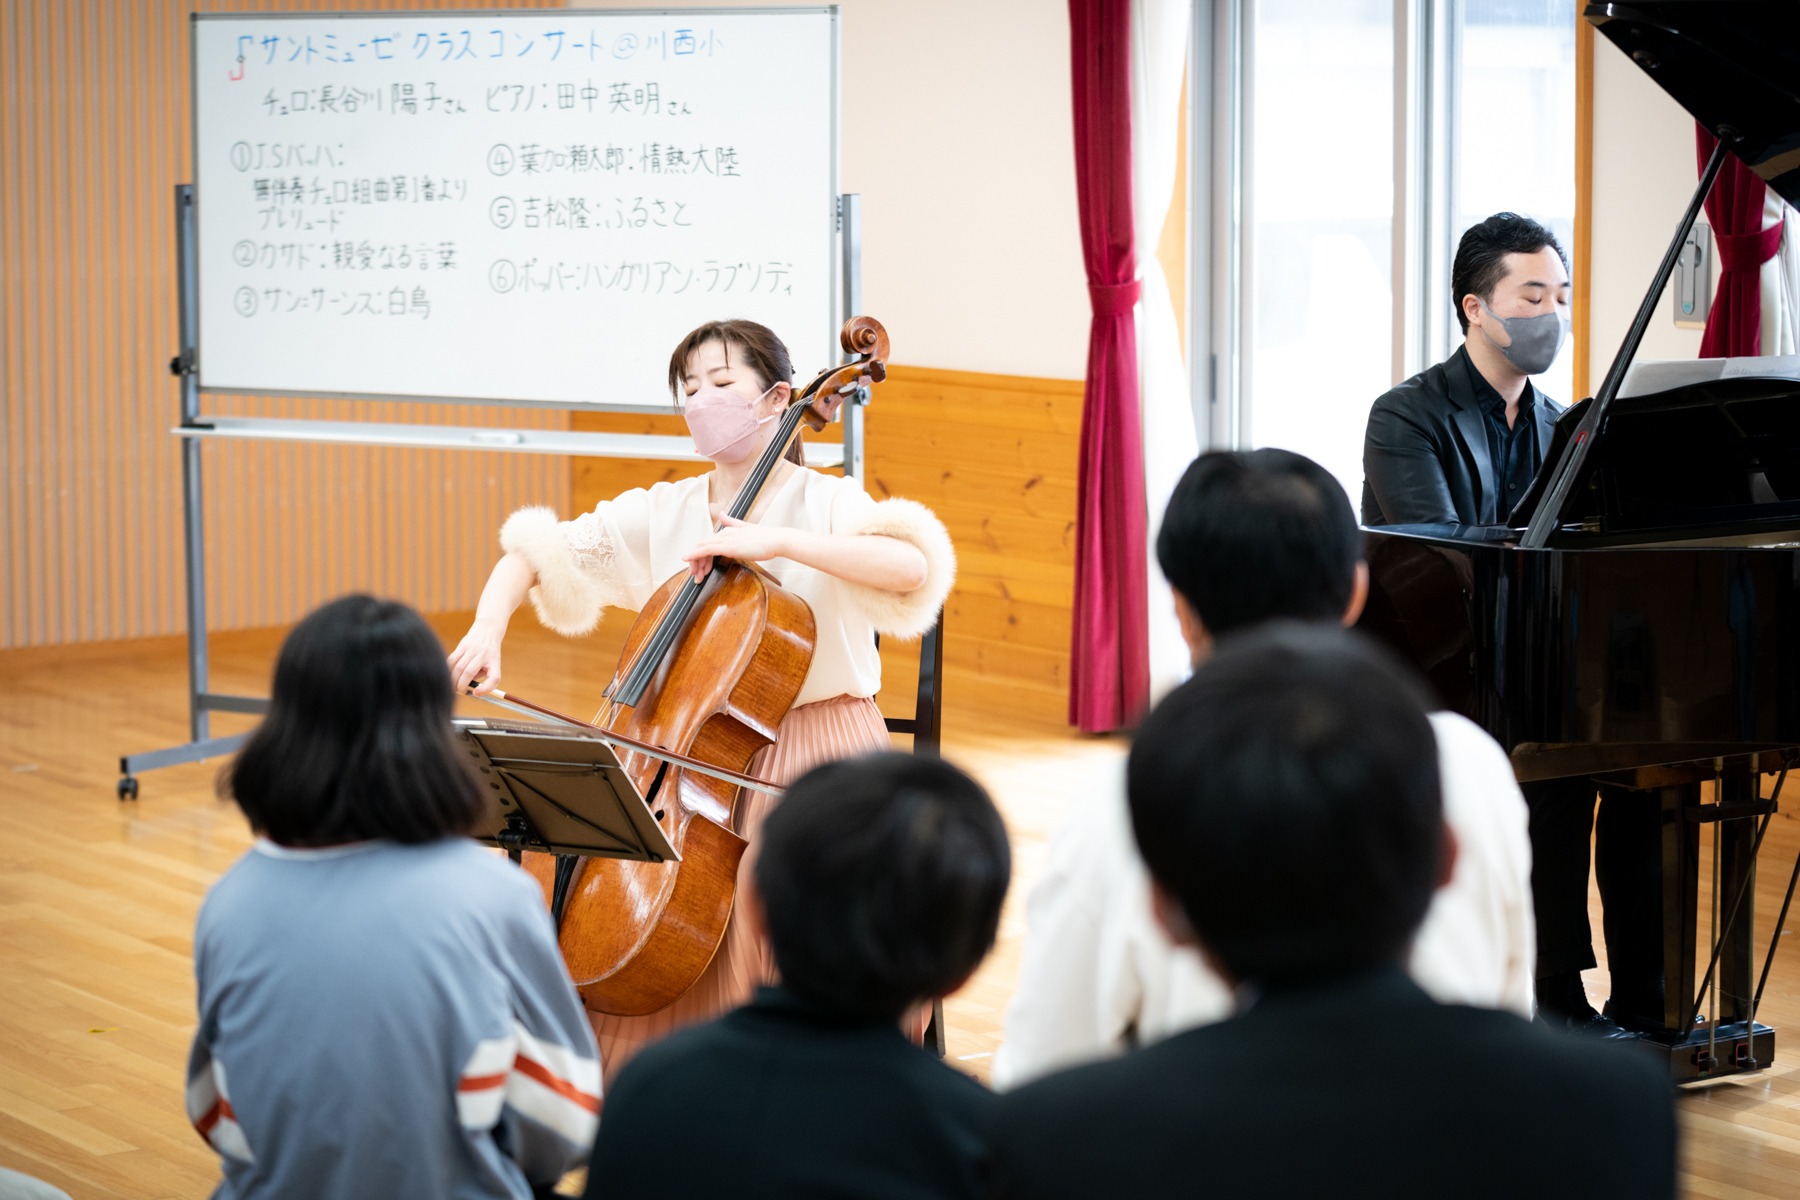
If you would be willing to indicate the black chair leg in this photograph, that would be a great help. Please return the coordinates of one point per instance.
(934, 1032)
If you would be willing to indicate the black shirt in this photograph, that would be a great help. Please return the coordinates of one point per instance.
(1359, 1087)
(1512, 451)
(781, 1099)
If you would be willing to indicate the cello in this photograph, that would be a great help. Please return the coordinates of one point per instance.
(709, 670)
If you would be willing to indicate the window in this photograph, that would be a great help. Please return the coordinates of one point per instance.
(1515, 101)
(1321, 220)
(1327, 258)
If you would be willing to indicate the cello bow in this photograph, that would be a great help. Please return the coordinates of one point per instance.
(687, 763)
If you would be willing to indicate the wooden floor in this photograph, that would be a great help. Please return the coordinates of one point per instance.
(97, 903)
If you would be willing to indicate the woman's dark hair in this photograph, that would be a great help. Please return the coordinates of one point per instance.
(358, 742)
(1251, 535)
(1288, 796)
(1480, 262)
(763, 353)
(883, 878)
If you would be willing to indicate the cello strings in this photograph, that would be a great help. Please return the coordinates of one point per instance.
(634, 678)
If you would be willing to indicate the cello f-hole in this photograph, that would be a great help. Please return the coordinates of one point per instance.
(662, 773)
(567, 866)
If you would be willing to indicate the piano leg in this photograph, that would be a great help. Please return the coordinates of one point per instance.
(1737, 873)
(1686, 920)
(1646, 851)
(1680, 904)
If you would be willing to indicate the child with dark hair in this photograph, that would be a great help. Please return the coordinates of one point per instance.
(1289, 804)
(1252, 536)
(383, 1008)
(879, 884)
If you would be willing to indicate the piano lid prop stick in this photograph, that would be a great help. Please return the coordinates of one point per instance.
(1549, 510)
(515, 704)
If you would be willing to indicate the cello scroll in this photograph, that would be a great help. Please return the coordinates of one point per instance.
(863, 337)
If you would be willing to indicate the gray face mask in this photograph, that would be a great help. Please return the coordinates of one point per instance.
(1535, 340)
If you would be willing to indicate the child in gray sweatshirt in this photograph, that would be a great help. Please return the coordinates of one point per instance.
(383, 1008)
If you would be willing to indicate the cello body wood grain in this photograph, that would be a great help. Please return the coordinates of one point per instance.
(637, 935)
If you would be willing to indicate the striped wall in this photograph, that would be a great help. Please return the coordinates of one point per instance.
(93, 138)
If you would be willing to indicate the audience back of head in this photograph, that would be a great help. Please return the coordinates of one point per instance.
(1251, 535)
(1288, 797)
(358, 742)
(882, 879)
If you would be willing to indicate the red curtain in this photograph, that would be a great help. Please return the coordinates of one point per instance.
(1109, 672)
(1735, 208)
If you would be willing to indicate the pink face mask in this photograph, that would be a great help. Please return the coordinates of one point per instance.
(723, 423)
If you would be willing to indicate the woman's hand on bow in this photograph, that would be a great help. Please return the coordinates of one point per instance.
(736, 539)
(475, 663)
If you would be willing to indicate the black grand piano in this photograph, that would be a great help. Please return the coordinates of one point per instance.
(1637, 620)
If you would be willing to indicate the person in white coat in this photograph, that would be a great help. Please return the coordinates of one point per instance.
(1252, 536)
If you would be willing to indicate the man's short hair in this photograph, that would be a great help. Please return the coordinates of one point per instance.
(1252, 535)
(1481, 256)
(358, 742)
(883, 878)
(1287, 796)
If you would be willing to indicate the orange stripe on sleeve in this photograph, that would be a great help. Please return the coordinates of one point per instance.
(220, 1111)
(563, 1088)
(481, 1083)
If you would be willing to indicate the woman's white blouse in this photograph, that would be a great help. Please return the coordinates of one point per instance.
(621, 552)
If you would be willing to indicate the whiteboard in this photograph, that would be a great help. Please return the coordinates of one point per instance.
(523, 206)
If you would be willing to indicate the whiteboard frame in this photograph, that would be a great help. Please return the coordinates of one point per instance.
(832, 203)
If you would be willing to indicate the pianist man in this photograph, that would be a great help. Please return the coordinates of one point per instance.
(1459, 444)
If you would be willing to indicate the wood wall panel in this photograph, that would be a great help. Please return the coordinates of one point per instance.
(93, 139)
(595, 479)
(995, 457)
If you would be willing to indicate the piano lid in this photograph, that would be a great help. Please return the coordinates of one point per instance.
(1689, 451)
(1615, 464)
(1728, 62)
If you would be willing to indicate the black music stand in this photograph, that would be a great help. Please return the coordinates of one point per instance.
(558, 790)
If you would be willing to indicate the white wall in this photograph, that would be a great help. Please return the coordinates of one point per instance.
(1644, 175)
(958, 134)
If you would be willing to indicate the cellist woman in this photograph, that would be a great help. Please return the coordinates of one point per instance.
(864, 568)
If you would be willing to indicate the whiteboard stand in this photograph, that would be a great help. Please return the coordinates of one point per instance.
(850, 238)
(196, 428)
(201, 702)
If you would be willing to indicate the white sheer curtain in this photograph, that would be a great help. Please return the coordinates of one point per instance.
(1159, 35)
(1780, 281)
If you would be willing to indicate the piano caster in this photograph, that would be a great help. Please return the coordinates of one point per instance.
(128, 787)
(1738, 1055)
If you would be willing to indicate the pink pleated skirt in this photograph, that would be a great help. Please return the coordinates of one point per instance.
(812, 734)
